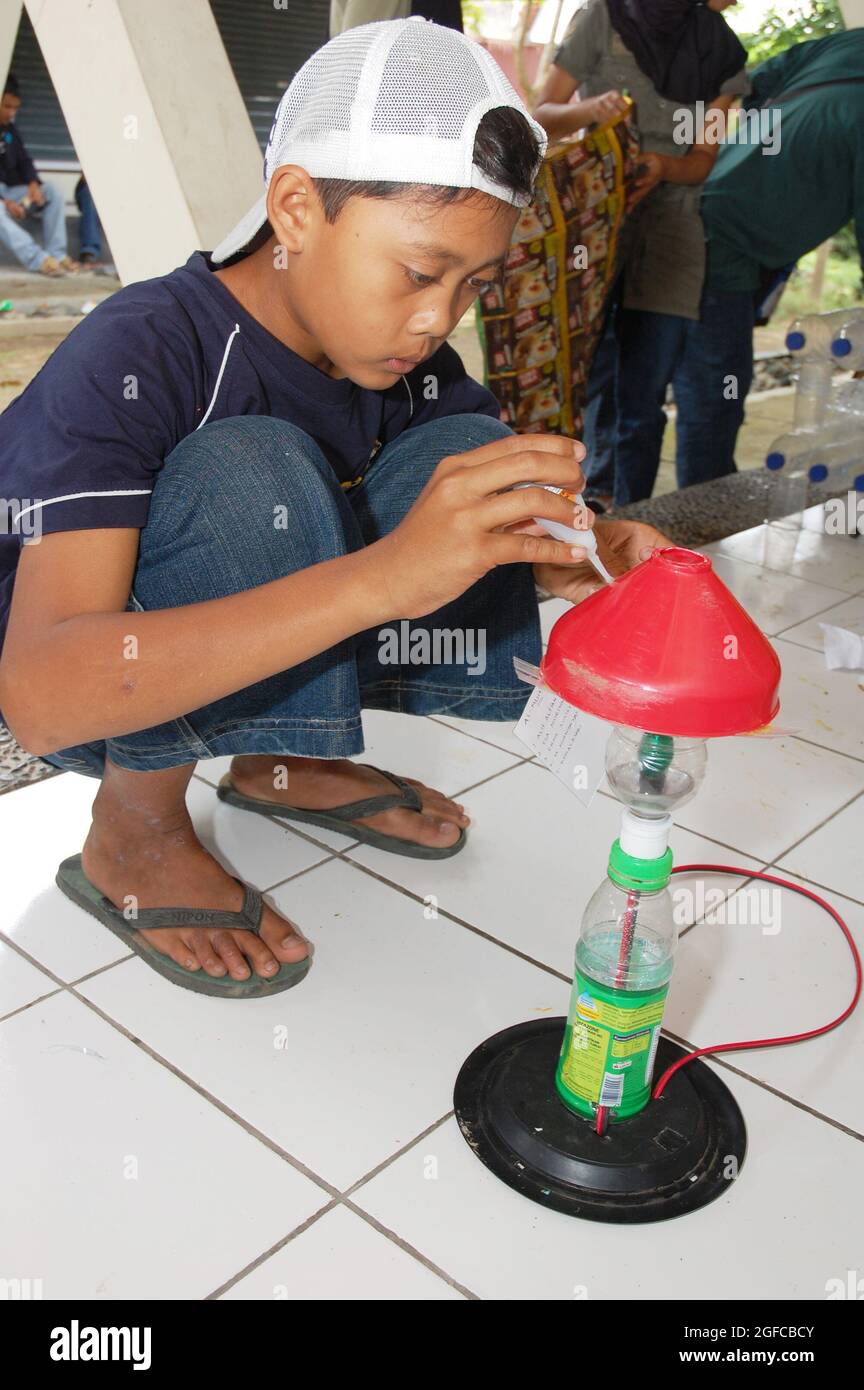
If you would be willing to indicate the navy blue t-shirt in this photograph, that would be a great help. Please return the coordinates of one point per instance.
(81, 446)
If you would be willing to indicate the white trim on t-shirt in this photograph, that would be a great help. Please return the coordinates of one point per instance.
(231, 338)
(74, 496)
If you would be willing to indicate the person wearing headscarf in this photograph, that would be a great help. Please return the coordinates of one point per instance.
(676, 59)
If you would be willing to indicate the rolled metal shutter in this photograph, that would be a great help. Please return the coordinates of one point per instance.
(265, 45)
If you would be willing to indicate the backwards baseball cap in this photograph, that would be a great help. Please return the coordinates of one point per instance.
(397, 101)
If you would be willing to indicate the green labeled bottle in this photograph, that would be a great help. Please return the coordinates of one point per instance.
(624, 959)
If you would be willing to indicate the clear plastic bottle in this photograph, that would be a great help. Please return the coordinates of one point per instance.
(624, 959)
(847, 345)
(801, 449)
(840, 462)
(811, 335)
(653, 773)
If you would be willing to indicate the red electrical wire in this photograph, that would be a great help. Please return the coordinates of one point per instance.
(792, 1037)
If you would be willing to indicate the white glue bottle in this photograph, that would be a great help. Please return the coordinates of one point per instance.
(560, 532)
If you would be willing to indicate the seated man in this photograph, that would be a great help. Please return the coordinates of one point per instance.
(19, 182)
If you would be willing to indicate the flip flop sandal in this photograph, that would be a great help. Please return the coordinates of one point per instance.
(73, 881)
(341, 818)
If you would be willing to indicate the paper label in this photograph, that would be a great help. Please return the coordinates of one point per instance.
(569, 742)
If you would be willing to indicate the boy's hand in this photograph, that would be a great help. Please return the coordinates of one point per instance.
(465, 522)
(621, 545)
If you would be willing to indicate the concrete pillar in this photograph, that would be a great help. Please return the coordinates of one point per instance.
(10, 18)
(157, 121)
(852, 12)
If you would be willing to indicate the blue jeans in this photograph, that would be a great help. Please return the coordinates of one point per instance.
(210, 532)
(710, 365)
(90, 243)
(53, 218)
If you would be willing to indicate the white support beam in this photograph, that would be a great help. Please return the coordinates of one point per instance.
(157, 121)
(852, 12)
(10, 18)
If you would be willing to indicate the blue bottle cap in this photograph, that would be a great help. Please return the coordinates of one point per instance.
(818, 473)
(841, 347)
(775, 461)
(795, 341)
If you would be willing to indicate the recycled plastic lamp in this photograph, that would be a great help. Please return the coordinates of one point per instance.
(561, 1109)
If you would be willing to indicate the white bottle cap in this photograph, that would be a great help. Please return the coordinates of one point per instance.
(645, 837)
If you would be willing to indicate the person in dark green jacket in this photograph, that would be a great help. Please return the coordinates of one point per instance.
(763, 210)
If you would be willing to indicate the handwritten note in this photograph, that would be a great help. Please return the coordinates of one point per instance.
(571, 743)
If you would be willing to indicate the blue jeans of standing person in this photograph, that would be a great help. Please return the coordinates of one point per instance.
(88, 230)
(710, 365)
(211, 531)
(16, 237)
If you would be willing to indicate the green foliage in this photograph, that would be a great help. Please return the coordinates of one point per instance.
(845, 245)
(808, 19)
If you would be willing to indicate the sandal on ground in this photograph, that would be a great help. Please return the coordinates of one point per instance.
(73, 881)
(342, 818)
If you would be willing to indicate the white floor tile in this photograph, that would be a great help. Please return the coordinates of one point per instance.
(837, 561)
(20, 982)
(534, 857)
(825, 707)
(848, 614)
(770, 963)
(762, 794)
(41, 825)
(490, 731)
(774, 601)
(88, 1110)
(342, 1257)
(348, 1066)
(787, 1225)
(831, 856)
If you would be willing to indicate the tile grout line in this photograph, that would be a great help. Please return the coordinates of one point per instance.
(344, 1200)
(844, 807)
(766, 1086)
(441, 720)
(812, 617)
(786, 573)
(821, 826)
(826, 747)
(254, 1133)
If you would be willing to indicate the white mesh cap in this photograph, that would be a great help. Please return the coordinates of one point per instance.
(399, 100)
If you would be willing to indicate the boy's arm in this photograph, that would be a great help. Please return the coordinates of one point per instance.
(69, 673)
(66, 674)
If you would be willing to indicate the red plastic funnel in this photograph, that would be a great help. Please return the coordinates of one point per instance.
(666, 648)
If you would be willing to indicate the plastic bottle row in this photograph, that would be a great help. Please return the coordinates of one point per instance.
(822, 337)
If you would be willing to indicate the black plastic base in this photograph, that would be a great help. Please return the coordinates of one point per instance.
(678, 1154)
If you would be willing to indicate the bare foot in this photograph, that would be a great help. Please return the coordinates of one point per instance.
(318, 784)
(159, 862)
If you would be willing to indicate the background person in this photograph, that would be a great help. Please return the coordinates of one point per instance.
(763, 212)
(18, 182)
(667, 55)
